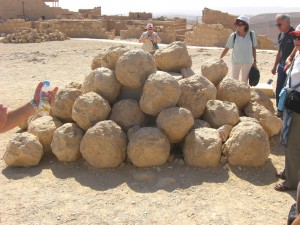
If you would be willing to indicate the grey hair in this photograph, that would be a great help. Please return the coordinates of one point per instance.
(284, 17)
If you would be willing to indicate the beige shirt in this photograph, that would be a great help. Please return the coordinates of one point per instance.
(147, 45)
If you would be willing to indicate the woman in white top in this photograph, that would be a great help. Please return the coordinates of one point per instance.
(150, 39)
(291, 126)
(243, 43)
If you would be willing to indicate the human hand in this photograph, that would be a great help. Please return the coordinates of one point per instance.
(3, 115)
(37, 94)
(273, 71)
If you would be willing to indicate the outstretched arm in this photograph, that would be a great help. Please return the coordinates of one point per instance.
(224, 52)
(9, 120)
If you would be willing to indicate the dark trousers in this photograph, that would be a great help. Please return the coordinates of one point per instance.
(280, 80)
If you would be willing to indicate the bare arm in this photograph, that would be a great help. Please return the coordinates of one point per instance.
(254, 56)
(274, 69)
(289, 59)
(224, 52)
(9, 120)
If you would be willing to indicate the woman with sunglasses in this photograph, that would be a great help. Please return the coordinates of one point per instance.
(291, 125)
(243, 43)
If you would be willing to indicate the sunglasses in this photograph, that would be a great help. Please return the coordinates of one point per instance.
(295, 37)
(278, 24)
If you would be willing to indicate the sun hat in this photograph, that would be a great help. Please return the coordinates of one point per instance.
(296, 31)
(244, 18)
(149, 25)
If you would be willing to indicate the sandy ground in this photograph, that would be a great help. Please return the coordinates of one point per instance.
(76, 193)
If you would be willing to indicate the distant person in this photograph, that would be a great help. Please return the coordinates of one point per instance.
(150, 39)
(291, 125)
(286, 46)
(9, 120)
(243, 43)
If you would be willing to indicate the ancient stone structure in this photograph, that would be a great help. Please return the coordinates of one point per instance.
(140, 15)
(90, 13)
(210, 16)
(30, 9)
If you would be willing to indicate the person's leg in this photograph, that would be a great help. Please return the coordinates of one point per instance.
(292, 154)
(236, 71)
(245, 72)
(280, 81)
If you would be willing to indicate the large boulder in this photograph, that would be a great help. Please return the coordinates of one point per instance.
(232, 90)
(112, 55)
(248, 145)
(89, 109)
(23, 150)
(133, 68)
(215, 69)
(63, 103)
(104, 145)
(66, 142)
(175, 122)
(261, 98)
(102, 81)
(44, 128)
(127, 113)
(173, 57)
(202, 148)
(271, 123)
(224, 132)
(160, 91)
(148, 146)
(195, 92)
(218, 113)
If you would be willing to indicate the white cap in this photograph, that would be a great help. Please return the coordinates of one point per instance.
(149, 25)
(244, 18)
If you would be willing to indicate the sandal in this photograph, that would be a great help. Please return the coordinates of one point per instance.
(281, 187)
(281, 175)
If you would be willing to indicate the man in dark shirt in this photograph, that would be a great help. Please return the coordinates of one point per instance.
(286, 46)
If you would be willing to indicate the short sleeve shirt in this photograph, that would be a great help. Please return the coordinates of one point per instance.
(242, 48)
(147, 45)
(295, 73)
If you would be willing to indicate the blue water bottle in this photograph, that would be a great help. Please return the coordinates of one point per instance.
(44, 106)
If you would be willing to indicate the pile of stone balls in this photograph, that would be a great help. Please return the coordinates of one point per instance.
(30, 35)
(137, 107)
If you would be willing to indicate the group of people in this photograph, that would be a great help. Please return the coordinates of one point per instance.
(243, 43)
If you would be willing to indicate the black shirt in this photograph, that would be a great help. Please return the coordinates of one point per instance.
(286, 44)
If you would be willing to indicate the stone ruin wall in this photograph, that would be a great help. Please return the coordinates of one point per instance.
(210, 16)
(94, 13)
(207, 35)
(140, 15)
(215, 30)
(10, 25)
(33, 10)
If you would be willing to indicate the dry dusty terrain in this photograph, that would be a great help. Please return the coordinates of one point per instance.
(76, 193)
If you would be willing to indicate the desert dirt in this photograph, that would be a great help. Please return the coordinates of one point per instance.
(76, 193)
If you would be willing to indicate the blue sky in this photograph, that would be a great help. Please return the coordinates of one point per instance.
(111, 7)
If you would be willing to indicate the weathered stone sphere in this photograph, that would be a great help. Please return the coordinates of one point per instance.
(112, 55)
(175, 122)
(202, 148)
(133, 68)
(195, 92)
(215, 69)
(218, 113)
(89, 109)
(104, 145)
(173, 57)
(103, 81)
(270, 123)
(23, 150)
(148, 146)
(44, 128)
(160, 91)
(235, 91)
(63, 103)
(248, 145)
(261, 98)
(66, 142)
(127, 113)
